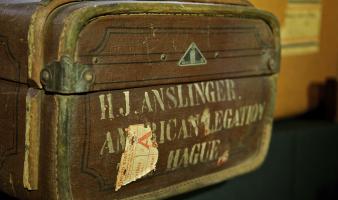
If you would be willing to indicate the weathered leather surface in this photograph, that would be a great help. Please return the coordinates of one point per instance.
(208, 122)
(192, 134)
(15, 20)
(135, 44)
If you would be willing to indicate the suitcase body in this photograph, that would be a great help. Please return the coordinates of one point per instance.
(129, 100)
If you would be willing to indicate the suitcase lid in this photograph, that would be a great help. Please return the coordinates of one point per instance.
(233, 40)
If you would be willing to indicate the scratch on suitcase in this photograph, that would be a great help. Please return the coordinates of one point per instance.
(12, 184)
(140, 155)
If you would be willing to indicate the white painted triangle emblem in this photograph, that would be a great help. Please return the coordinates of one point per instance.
(192, 57)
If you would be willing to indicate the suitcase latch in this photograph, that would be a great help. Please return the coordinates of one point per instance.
(65, 76)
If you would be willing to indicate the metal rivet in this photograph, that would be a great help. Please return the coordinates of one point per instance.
(95, 60)
(271, 64)
(88, 76)
(45, 76)
(163, 57)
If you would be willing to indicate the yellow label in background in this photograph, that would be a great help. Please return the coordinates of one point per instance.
(301, 30)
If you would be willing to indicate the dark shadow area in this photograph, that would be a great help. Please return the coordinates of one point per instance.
(6, 197)
(328, 192)
(323, 100)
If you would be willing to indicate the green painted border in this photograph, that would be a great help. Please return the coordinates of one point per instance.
(64, 116)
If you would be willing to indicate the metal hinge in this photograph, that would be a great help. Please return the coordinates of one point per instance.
(65, 76)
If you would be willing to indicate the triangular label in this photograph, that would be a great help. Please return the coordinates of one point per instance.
(192, 57)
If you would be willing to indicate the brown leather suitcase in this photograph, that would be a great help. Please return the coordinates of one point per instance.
(131, 100)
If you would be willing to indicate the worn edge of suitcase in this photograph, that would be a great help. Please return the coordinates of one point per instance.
(242, 2)
(68, 44)
(32, 139)
(35, 34)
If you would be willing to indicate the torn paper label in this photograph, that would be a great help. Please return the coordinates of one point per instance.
(140, 155)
